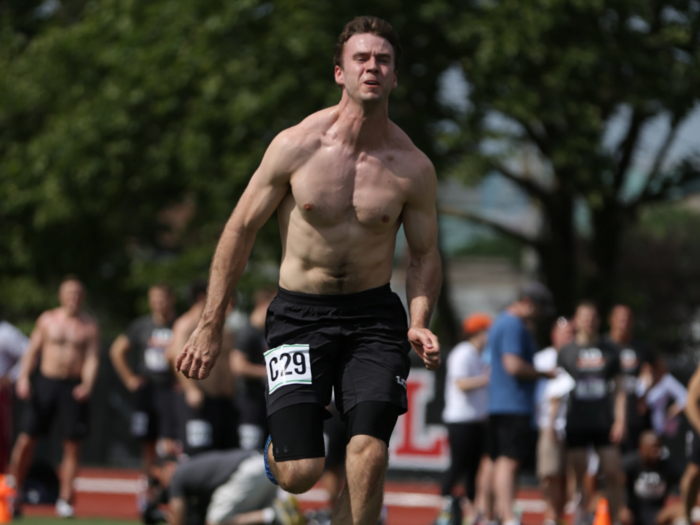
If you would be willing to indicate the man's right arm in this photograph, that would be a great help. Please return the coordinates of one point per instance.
(29, 359)
(265, 191)
(117, 354)
(692, 407)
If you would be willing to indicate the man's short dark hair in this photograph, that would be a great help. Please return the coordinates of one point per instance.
(372, 25)
(70, 277)
(587, 303)
(163, 287)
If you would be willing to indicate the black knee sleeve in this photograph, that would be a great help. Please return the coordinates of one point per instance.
(297, 432)
(373, 418)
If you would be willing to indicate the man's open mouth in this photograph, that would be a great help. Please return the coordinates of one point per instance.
(371, 82)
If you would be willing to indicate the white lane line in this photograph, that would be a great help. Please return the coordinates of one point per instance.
(109, 485)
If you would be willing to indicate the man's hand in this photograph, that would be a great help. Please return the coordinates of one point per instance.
(617, 432)
(133, 383)
(81, 392)
(194, 397)
(199, 355)
(23, 388)
(426, 345)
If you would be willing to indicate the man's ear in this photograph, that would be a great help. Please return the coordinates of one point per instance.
(339, 76)
(396, 80)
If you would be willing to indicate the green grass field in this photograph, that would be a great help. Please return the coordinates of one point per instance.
(33, 520)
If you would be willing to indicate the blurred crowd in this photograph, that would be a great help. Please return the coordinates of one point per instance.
(202, 441)
(601, 407)
(597, 409)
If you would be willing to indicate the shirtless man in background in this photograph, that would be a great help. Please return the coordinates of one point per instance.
(209, 418)
(67, 339)
(343, 181)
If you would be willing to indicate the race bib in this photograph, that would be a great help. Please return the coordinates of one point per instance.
(590, 389)
(288, 365)
(155, 360)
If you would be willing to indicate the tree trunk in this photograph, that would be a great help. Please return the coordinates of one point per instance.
(608, 224)
(558, 251)
(449, 326)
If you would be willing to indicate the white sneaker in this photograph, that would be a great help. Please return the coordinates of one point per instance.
(64, 509)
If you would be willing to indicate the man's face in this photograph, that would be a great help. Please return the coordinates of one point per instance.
(71, 296)
(621, 320)
(586, 320)
(160, 301)
(368, 71)
(650, 450)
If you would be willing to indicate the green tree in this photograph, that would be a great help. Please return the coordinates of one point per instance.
(547, 78)
(116, 120)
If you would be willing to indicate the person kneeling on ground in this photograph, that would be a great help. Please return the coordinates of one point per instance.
(649, 479)
(223, 488)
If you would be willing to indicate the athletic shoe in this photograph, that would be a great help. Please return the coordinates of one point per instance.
(451, 513)
(287, 512)
(270, 476)
(64, 509)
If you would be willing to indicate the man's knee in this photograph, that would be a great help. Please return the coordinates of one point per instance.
(299, 475)
(690, 476)
(367, 452)
(25, 442)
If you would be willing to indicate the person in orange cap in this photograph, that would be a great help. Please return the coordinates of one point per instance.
(465, 414)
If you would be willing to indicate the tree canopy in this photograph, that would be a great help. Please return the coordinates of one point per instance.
(128, 131)
(548, 80)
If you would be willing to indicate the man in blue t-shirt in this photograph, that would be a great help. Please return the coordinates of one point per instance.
(511, 390)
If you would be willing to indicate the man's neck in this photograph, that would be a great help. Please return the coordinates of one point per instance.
(620, 337)
(363, 126)
(585, 339)
(72, 314)
(161, 319)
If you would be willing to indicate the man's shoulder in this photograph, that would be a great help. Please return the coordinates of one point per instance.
(307, 136)
(413, 160)
(140, 323)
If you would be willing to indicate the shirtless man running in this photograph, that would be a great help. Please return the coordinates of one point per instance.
(209, 418)
(68, 341)
(342, 181)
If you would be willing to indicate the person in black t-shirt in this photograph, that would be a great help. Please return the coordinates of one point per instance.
(248, 364)
(154, 416)
(649, 479)
(596, 408)
(633, 354)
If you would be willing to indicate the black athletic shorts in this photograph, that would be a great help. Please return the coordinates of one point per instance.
(54, 398)
(212, 426)
(155, 413)
(355, 345)
(584, 438)
(335, 433)
(509, 435)
(692, 447)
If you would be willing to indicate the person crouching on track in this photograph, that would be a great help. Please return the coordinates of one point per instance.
(222, 488)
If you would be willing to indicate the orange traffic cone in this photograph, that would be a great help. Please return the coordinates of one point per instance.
(7, 493)
(602, 512)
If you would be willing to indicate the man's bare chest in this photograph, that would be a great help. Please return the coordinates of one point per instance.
(331, 191)
(69, 333)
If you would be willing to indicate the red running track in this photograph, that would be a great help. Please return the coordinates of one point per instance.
(111, 493)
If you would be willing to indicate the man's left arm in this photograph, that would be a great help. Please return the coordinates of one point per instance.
(424, 274)
(88, 373)
(617, 433)
(176, 511)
